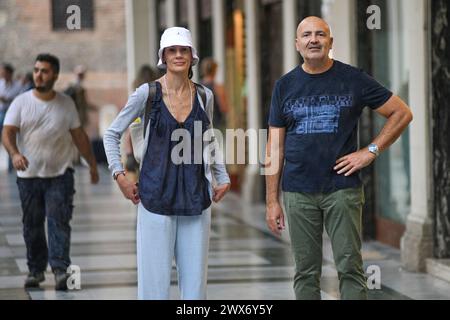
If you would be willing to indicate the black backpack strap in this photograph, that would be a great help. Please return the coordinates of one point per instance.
(201, 91)
(148, 107)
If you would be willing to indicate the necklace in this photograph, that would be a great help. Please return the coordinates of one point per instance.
(168, 95)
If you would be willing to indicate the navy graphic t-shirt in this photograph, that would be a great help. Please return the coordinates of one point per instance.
(320, 113)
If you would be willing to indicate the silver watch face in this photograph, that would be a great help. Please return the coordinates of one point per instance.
(373, 148)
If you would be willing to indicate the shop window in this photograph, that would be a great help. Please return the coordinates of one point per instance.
(381, 54)
(390, 67)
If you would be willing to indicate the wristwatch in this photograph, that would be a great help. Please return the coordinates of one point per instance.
(116, 174)
(373, 148)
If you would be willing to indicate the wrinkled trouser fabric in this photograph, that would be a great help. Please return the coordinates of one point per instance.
(50, 198)
(341, 214)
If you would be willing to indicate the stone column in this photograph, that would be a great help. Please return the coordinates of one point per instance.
(290, 54)
(251, 188)
(340, 16)
(218, 28)
(171, 13)
(193, 27)
(137, 33)
(417, 242)
(153, 45)
(129, 30)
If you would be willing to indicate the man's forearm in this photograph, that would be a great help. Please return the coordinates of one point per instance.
(274, 164)
(272, 188)
(83, 145)
(393, 128)
(9, 140)
(86, 153)
(398, 116)
(273, 180)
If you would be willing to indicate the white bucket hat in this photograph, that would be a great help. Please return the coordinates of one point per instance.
(176, 36)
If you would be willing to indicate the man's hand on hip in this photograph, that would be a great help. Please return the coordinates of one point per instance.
(353, 162)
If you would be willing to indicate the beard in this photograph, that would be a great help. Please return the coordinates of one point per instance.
(45, 87)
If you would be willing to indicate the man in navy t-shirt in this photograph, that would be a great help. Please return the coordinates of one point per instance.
(313, 136)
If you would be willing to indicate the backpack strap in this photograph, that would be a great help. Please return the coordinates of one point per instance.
(201, 91)
(148, 107)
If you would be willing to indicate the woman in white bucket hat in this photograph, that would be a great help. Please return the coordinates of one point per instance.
(174, 198)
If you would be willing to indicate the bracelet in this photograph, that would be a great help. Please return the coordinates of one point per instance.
(116, 175)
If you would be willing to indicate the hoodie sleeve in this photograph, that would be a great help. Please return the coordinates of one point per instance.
(218, 168)
(133, 109)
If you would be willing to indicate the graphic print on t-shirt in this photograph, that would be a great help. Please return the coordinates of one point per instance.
(317, 114)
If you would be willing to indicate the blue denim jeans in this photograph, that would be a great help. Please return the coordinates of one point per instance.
(51, 198)
(2, 119)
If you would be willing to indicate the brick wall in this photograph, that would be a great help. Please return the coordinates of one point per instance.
(26, 30)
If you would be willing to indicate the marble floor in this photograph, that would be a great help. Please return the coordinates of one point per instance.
(245, 261)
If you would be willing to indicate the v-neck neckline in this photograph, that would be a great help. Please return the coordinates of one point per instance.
(194, 105)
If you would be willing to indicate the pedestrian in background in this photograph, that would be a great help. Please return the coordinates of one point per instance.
(77, 92)
(208, 68)
(9, 89)
(46, 125)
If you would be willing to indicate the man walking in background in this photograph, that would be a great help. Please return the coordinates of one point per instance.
(9, 89)
(78, 93)
(47, 125)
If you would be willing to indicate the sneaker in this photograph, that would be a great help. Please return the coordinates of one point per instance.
(33, 279)
(61, 280)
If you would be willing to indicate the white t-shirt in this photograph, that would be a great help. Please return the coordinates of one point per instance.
(44, 137)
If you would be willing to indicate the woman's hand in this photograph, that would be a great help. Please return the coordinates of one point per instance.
(129, 189)
(220, 191)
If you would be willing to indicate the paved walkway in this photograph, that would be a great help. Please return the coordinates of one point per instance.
(245, 261)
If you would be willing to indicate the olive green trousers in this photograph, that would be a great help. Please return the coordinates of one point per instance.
(341, 214)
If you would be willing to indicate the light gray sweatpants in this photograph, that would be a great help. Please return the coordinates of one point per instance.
(161, 238)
